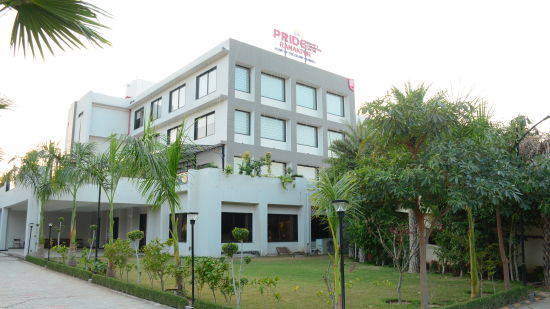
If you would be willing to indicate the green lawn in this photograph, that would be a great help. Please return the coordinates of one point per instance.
(301, 282)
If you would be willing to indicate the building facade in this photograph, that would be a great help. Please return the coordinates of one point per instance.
(233, 99)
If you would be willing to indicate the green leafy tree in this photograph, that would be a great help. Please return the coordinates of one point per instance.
(41, 24)
(135, 236)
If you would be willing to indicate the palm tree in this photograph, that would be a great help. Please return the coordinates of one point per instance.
(74, 172)
(351, 147)
(331, 187)
(107, 170)
(158, 178)
(36, 173)
(54, 22)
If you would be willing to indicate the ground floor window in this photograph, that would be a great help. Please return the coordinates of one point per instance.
(282, 228)
(182, 227)
(319, 229)
(231, 220)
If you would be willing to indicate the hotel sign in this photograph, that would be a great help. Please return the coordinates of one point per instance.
(295, 46)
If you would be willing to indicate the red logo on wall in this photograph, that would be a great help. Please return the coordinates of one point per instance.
(351, 84)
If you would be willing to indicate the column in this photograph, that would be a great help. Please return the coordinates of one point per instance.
(4, 228)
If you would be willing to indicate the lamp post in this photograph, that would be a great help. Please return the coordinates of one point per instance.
(49, 239)
(98, 222)
(340, 207)
(192, 218)
(30, 238)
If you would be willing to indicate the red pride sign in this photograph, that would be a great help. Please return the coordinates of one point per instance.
(295, 46)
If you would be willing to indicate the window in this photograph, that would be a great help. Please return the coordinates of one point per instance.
(273, 128)
(205, 126)
(277, 169)
(182, 227)
(308, 172)
(306, 96)
(242, 122)
(231, 220)
(177, 98)
(333, 136)
(171, 134)
(335, 104)
(206, 83)
(242, 79)
(156, 109)
(273, 87)
(138, 118)
(282, 228)
(306, 135)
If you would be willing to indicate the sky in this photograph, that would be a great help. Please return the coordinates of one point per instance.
(496, 50)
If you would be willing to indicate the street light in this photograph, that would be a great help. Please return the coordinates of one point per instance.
(192, 218)
(340, 207)
(49, 239)
(30, 238)
(97, 231)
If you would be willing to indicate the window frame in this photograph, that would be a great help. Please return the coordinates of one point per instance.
(168, 142)
(141, 119)
(249, 122)
(316, 168)
(316, 106)
(284, 128)
(170, 103)
(295, 233)
(277, 77)
(159, 109)
(207, 73)
(196, 128)
(316, 135)
(181, 223)
(249, 73)
(343, 104)
(250, 230)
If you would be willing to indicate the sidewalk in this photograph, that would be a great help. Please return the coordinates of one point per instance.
(541, 301)
(25, 285)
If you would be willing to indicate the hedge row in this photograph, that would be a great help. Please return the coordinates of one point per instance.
(157, 296)
(494, 301)
(62, 268)
(140, 291)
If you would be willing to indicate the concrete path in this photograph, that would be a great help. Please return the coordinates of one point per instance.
(541, 301)
(25, 285)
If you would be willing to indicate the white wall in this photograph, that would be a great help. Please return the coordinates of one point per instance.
(16, 226)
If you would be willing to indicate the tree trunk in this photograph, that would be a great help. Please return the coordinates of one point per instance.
(177, 258)
(361, 255)
(72, 245)
(502, 251)
(424, 291)
(474, 276)
(399, 283)
(414, 263)
(546, 250)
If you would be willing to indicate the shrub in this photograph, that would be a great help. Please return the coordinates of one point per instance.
(118, 253)
(494, 301)
(61, 250)
(228, 170)
(35, 260)
(69, 270)
(156, 260)
(161, 297)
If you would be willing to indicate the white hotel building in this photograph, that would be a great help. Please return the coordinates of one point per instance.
(234, 98)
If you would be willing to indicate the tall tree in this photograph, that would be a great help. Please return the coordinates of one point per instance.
(75, 171)
(404, 123)
(41, 24)
(36, 172)
(158, 167)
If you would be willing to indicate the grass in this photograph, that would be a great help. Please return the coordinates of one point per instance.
(301, 285)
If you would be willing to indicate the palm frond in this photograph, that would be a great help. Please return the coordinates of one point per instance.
(39, 24)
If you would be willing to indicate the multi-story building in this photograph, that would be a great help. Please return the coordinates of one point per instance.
(235, 98)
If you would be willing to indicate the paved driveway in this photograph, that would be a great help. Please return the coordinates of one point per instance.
(25, 285)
